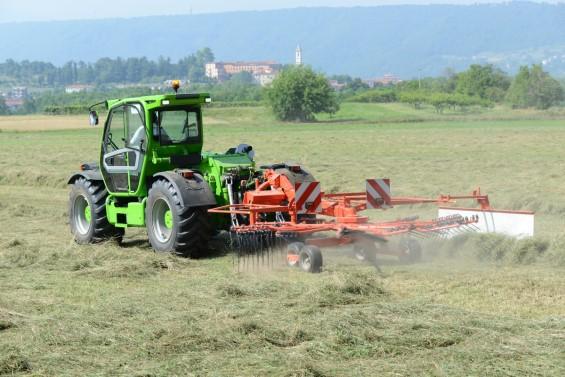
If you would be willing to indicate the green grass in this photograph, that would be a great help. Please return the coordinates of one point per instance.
(483, 306)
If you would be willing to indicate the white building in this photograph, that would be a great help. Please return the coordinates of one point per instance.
(77, 88)
(298, 55)
(224, 70)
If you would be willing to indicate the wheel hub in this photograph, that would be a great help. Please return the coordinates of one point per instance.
(162, 220)
(87, 214)
(82, 214)
(169, 219)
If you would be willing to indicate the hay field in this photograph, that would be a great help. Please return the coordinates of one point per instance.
(42, 123)
(483, 306)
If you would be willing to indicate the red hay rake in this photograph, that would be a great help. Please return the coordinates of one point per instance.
(281, 212)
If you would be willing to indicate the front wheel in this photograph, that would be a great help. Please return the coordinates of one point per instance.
(172, 228)
(87, 213)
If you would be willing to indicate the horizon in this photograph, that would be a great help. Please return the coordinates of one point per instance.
(41, 12)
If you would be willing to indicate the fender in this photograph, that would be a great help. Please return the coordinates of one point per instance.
(91, 175)
(194, 192)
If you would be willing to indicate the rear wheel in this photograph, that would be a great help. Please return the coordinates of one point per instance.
(311, 259)
(173, 228)
(87, 213)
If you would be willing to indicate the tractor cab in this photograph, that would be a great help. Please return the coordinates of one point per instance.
(146, 135)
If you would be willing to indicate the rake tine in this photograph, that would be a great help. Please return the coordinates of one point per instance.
(241, 248)
(254, 249)
(455, 231)
(469, 228)
(443, 234)
(418, 234)
(245, 240)
(270, 251)
(263, 243)
(475, 227)
(274, 245)
(464, 229)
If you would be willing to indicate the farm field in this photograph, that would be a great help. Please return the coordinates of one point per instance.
(476, 307)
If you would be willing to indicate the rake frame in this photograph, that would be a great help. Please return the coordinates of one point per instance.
(340, 213)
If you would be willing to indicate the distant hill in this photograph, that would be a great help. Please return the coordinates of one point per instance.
(406, 40)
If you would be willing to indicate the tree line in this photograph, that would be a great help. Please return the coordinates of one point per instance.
(299, 93)
(480, 85)
(240, 90)
(105, 71)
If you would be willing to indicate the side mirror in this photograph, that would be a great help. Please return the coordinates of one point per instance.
(93, 118)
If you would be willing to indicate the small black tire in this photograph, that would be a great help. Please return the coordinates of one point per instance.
(359, 253)
(367, 250)
(87, 213)
(311, 259)
(410, 251)
(174, 228)
(293, 254)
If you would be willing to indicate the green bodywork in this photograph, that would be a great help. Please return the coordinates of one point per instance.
(126, 208)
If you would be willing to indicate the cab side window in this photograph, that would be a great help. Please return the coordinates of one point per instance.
(136, 127)
(115, 134)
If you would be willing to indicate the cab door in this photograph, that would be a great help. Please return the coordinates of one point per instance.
(123, 148)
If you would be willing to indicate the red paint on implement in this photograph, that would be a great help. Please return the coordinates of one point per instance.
(341, 211)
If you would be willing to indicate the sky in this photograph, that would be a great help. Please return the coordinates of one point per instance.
(42, 10)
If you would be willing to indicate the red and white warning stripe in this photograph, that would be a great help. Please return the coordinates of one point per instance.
(378, 193)
(308, 197)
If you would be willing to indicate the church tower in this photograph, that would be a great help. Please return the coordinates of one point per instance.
(298, 55)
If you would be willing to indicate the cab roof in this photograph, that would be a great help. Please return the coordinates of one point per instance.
(161, 100)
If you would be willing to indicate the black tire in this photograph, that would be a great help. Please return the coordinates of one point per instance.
(94, 227)
(366, 251)
(188, 229)
(410, 251)
(359, 253)
(293, 249)
(311, 259)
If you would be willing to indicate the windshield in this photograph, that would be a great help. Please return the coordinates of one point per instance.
(178, 126)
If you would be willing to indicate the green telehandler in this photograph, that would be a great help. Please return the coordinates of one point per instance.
(152, 173)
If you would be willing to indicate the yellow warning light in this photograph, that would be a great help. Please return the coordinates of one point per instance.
(175, 84)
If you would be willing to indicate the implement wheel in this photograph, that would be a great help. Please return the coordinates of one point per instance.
(410, 251)
(172, 228)
(367, 250)
(87, 213)
(311, 259)
(293, 254)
